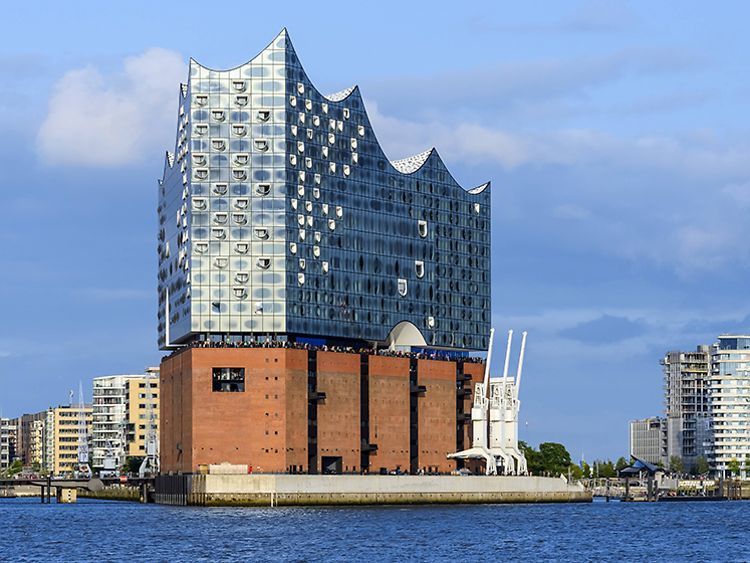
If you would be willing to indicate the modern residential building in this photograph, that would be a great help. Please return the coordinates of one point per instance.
(686, 404)
(729, 405)
(8, 434)
(648, 440)
(31, 438)
(63, 430)
(123, 409)
(291, 250)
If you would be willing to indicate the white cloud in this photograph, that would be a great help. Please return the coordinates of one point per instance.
(113, 119)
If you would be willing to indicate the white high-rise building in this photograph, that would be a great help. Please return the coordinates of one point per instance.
(729, 405)
(121, 404)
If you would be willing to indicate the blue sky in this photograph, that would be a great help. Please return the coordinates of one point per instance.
(615, 135)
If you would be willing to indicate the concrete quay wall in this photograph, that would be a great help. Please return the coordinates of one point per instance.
(299, 490)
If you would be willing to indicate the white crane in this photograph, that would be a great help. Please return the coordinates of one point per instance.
(494, 418)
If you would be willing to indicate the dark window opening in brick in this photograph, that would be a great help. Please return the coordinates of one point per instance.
(229, 379)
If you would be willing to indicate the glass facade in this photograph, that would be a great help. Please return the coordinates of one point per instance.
(279, 214)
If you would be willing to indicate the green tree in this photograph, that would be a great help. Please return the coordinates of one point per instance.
(675, 464)
(15, 468)
(533, 458)
(575, 472)
(701, 465)
(607, 469)
(621, 464)
(586, 469)
(555, 458)
(734, 466)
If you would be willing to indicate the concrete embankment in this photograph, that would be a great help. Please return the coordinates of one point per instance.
(132, 494)
(299, 490)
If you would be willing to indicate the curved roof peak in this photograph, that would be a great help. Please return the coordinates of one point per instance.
(341, 94)
(411, 164)
(281, 36)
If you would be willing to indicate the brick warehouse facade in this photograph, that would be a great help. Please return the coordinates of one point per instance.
(307, 411)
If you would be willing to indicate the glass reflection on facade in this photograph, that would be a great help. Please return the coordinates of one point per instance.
(280, 215)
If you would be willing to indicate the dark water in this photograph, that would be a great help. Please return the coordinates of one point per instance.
(112, 531)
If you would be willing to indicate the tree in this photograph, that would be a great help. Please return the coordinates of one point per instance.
(733, 466)
(575, 471)
(606, 469)
(675, 464)
(555, 458)
(15, 468)
(533, 459)
(621, 464)
(701, 465)
(586, 469)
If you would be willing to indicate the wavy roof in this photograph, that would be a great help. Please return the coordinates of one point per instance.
(407, 165)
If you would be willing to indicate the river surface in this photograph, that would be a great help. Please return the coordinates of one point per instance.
(119, 531)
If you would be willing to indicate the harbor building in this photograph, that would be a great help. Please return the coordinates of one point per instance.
(729, 405)
(124, 409)
(648, 440)
(320, 302)
(686, 404)
(63, 428)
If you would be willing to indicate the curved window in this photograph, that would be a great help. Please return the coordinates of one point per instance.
(316, 251)
(201, 129)
(238, 85)
(218, 114)
(240, 101)
(431, 322)
(301, 278)
(332, 224)
(302, 264)
(293, 247)
(201, 247)
(308, 104)
(220, 189)
(219, 144)
(261, 233)
(419, 268)
(200, 173)
(402, 287)
(220, 218)
(199, 159)
(293, 101)
(324, 267)
(241, 247)
(221, 263)
(239, 218)
(264, 263)
(220, 234)
(199, 204)
(239, 175)
(422, 227)
(264, 114)
(201, 99)
(241, 203)
(263, 189)
(239, 130)
(261, 144)
(240, 292)
(242, 277)
(241, 159)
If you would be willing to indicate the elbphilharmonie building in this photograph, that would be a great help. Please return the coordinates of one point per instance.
(280, 216)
